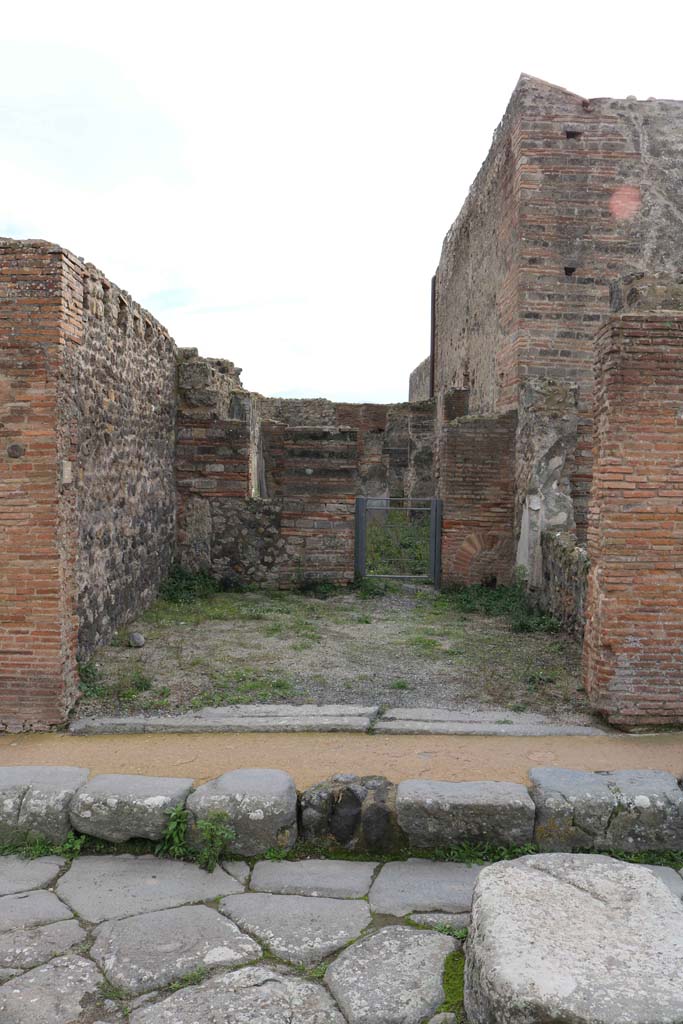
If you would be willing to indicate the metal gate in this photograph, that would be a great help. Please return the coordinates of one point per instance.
(399, 538)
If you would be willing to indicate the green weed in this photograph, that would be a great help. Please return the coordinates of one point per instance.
(183, 587)
(90, 679)
(194, 977)
(173, 843)
(397, 542)
(216, 837)
(454, 986)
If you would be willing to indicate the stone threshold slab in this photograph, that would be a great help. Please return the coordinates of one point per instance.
(238, 718)
(332, 718)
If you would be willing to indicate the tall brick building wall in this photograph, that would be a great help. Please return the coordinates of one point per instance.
(574, 194)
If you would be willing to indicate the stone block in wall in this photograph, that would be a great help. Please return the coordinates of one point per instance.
(121, 807)
(352, 811)
(628, 811)
(35, 801)
(260, 804)
(564, 580)
(433, 814)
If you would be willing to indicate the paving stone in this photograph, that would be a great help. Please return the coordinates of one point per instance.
(56, 993)
(573, 939)
(119, 807)
(6, 973)
(17, 874)
(260, 803)
(300, 929)
(447, 920)
(251, 995)
(342, 879)
(238, 718)
(26, 909)
(239, 869)
(34, 802)
(151, 950)
(27, 947)
(448, 813)
(444, 1018)
(624, 810)
(391, 977)
(100, 888)
(423, 886)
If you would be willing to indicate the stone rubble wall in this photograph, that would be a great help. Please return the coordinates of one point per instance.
(420, 381)
(562, 590)
(562, 810)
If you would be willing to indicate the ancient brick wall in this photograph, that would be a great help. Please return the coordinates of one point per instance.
(573, 194)
(40, 306)
(419, 384)
(476, 485)
(633, 664)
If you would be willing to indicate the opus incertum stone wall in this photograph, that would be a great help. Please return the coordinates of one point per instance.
(628, 811)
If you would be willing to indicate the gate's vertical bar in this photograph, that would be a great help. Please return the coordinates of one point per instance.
(435, 542)
(361, 531)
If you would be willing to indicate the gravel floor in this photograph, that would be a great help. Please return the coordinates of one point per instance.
(410, 647)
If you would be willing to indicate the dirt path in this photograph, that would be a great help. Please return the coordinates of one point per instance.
(311, 757)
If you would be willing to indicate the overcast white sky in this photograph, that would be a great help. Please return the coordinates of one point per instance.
(273, 180)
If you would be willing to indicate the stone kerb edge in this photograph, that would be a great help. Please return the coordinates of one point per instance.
(561, 810)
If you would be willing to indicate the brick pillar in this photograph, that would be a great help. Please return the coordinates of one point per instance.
(633, 652)
(40, 316)
(475, 457)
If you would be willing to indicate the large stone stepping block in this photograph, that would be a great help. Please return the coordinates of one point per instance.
(574, 939)
(28, 947)
(423, 886)
(19, 875)
(391, 977)
(103, 888)
(623, 810)
(434, 814)
(251, 995)
(339, 879)
(150, 951)
(300, 929)
(120, 807)
(64, 991)
(34, 802)
(261, 806)
(28, 909)
(356, 812)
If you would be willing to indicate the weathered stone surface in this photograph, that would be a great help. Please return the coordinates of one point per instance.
(260, 803)
(357, 812)
(624, 810)
(35, 802)
(98, 888)
(239, 869)
(671, 878)
(441, 721)
(422, 886)
(237, 718)
(119, 807)
(252, 995)
(19, 875)
(342, 879)
(436, 919)
(150, 951)
(28, 947)
(574, 939)
(301, 929)
(26, 909)
(56, 993)
(448, 813)
(391, 977)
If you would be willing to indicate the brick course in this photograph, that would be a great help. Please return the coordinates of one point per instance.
(633, 654)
